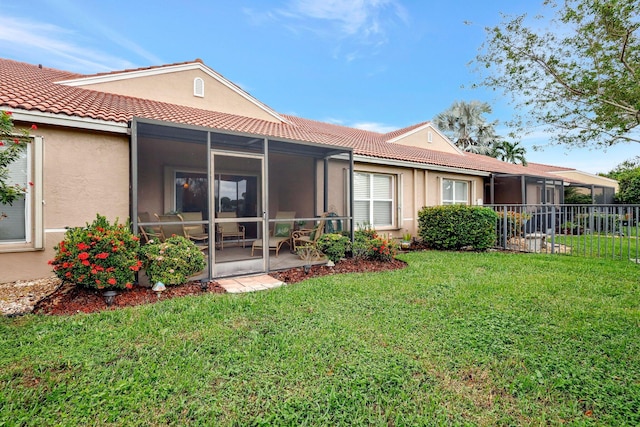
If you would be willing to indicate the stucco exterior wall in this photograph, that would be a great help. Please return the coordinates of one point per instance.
(419, 188)
(84, 174)
(291, 185)
(421, 139)
(177, 88)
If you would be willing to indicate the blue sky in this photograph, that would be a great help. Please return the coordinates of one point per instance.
(372, 64)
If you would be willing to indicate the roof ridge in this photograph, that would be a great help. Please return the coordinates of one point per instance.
(150, 67)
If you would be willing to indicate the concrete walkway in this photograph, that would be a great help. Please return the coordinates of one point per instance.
(241, 284)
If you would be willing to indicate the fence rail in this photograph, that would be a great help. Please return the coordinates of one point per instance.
(606, 231)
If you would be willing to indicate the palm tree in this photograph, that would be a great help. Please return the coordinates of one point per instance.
(465, 125)
(511, 152)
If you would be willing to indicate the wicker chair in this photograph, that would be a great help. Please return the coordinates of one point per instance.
(309, 237)
(280, 234)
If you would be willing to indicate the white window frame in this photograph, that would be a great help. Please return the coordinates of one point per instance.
(34, 224)
(456, 200)
(393, 199)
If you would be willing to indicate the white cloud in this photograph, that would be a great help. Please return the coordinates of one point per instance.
(59, 47)
(374, 127)
(351, 22)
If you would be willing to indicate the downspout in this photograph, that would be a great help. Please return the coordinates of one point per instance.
(133, 178)
(265, 208)
(325, 199)
(523, 190)
(351, 203)
(210, 225)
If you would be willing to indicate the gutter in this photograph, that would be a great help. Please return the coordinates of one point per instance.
(67, 121)
(415, 165)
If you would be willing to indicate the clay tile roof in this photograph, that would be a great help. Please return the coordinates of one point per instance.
(34, 88)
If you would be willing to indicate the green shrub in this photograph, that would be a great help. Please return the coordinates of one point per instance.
(456, 226)
(334, 245)
(172, 261)
(100, 255)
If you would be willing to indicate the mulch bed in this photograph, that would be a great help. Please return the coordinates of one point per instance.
(69, 299)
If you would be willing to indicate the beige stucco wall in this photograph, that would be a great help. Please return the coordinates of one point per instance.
(421, 139)
(419, 188)
(291, 185)
(84, 174)
(177, 88)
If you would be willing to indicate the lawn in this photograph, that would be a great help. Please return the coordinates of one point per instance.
(604, 246)
(453, 339)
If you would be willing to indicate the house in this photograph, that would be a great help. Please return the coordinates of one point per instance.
(181, 137)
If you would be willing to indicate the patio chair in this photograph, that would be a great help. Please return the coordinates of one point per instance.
(230, 229)
(148, 232)
(280, 234)
(168, 230)
(309, 237)
(196, 233)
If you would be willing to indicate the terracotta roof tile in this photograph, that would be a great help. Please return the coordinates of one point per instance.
(30, 87)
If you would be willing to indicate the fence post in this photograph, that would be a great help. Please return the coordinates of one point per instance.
(553, 229)
(504, 228)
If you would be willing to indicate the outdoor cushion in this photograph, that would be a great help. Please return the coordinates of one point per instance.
(282, 229)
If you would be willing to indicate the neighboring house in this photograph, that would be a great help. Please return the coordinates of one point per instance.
(181, 137)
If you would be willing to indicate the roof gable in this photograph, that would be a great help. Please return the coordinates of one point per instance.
(174, 84)
(423, 135)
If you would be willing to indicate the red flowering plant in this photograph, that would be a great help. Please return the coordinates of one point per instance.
(12, 146)
(368, 244)
(382, 249)
(100, 255)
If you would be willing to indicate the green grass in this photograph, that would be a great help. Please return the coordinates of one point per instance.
(454, 339)
(602, 246)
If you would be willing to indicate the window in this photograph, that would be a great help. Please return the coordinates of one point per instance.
(198, 87)
(455, 192)
(22, 222)
(373, 199)
(429, 136)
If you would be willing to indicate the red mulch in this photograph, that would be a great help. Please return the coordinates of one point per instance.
(69, 299)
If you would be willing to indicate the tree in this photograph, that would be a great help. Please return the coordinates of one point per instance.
(511, 152)
(465, 125)
(622, 168)
(581, 80)
(628, 175)
(12, 144)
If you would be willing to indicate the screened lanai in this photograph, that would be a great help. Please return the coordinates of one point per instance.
(231, 189)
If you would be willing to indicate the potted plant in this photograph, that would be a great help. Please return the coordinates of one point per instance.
(406, 241)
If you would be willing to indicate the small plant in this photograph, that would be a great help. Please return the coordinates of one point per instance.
(515, 222)
(382, 249)
(100, 255)
(407, 237)
(334, 246)
(369, 245)
(172, 261)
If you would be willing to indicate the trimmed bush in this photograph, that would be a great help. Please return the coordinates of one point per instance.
(100, 255)
(334, 245)
(172, 261)
(454, 227)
